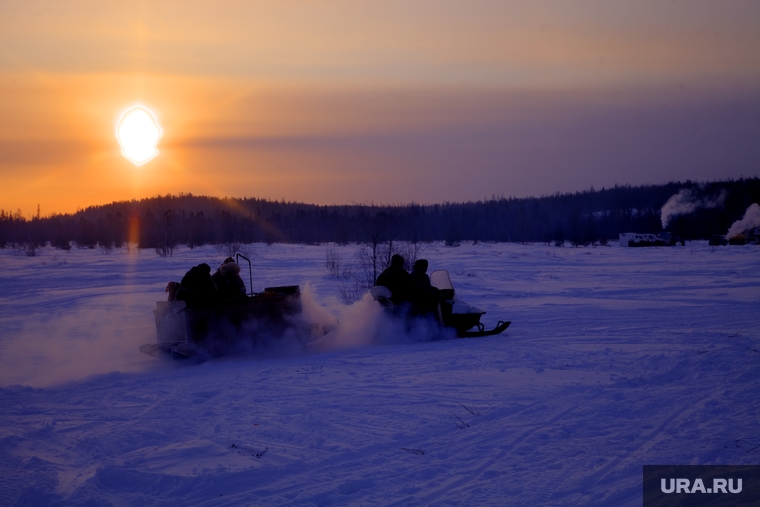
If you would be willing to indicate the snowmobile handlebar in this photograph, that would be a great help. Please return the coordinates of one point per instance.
(250, 271)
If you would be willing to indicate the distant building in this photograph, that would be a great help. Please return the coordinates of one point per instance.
(634, 239)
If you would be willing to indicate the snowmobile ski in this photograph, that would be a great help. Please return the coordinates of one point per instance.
(482, 331)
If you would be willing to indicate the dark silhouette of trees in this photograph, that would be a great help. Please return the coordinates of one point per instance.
(163, 222)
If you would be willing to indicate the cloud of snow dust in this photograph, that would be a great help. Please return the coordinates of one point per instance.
(84, 342)
(272, 340)
(105, 335)
(686, 201)
(322, 328)
(313, 312)
(366, 322)
(750, 220)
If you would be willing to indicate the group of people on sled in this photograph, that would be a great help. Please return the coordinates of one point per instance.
(412, 289)
(200, 288)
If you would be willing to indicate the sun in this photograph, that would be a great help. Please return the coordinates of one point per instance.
(138, 133)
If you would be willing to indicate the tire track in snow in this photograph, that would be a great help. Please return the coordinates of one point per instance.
(426, 500)
(330, 469)
(645, 444)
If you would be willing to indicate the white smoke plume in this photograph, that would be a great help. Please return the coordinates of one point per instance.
(685, 202)
(750, 220)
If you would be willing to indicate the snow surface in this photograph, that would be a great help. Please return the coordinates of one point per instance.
(617, 357)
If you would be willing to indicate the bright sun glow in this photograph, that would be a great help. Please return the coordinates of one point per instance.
(138, 133)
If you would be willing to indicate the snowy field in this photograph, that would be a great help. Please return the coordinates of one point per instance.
(616, 358)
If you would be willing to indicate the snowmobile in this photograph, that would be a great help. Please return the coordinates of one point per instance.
(184, 329)
(451, 311)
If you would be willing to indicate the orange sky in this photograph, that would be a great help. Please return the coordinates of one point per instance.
(335, 102)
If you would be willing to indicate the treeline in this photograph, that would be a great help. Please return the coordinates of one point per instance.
(585, 217)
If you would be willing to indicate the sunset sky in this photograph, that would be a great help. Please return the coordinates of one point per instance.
(384, 101)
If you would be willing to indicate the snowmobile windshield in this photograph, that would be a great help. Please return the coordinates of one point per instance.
(440, 280)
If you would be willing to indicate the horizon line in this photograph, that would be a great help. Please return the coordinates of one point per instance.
(373, 204)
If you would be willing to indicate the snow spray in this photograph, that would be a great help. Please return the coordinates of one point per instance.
(86, 341)
(366, 322)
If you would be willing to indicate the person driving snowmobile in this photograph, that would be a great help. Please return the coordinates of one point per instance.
(397, 280)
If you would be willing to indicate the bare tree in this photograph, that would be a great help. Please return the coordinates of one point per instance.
(232, 247)
(380, 231)
(352, 289)
(166, 241)
(411, 251)
(333, 261)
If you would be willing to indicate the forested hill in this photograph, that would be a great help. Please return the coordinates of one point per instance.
(581, 217)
